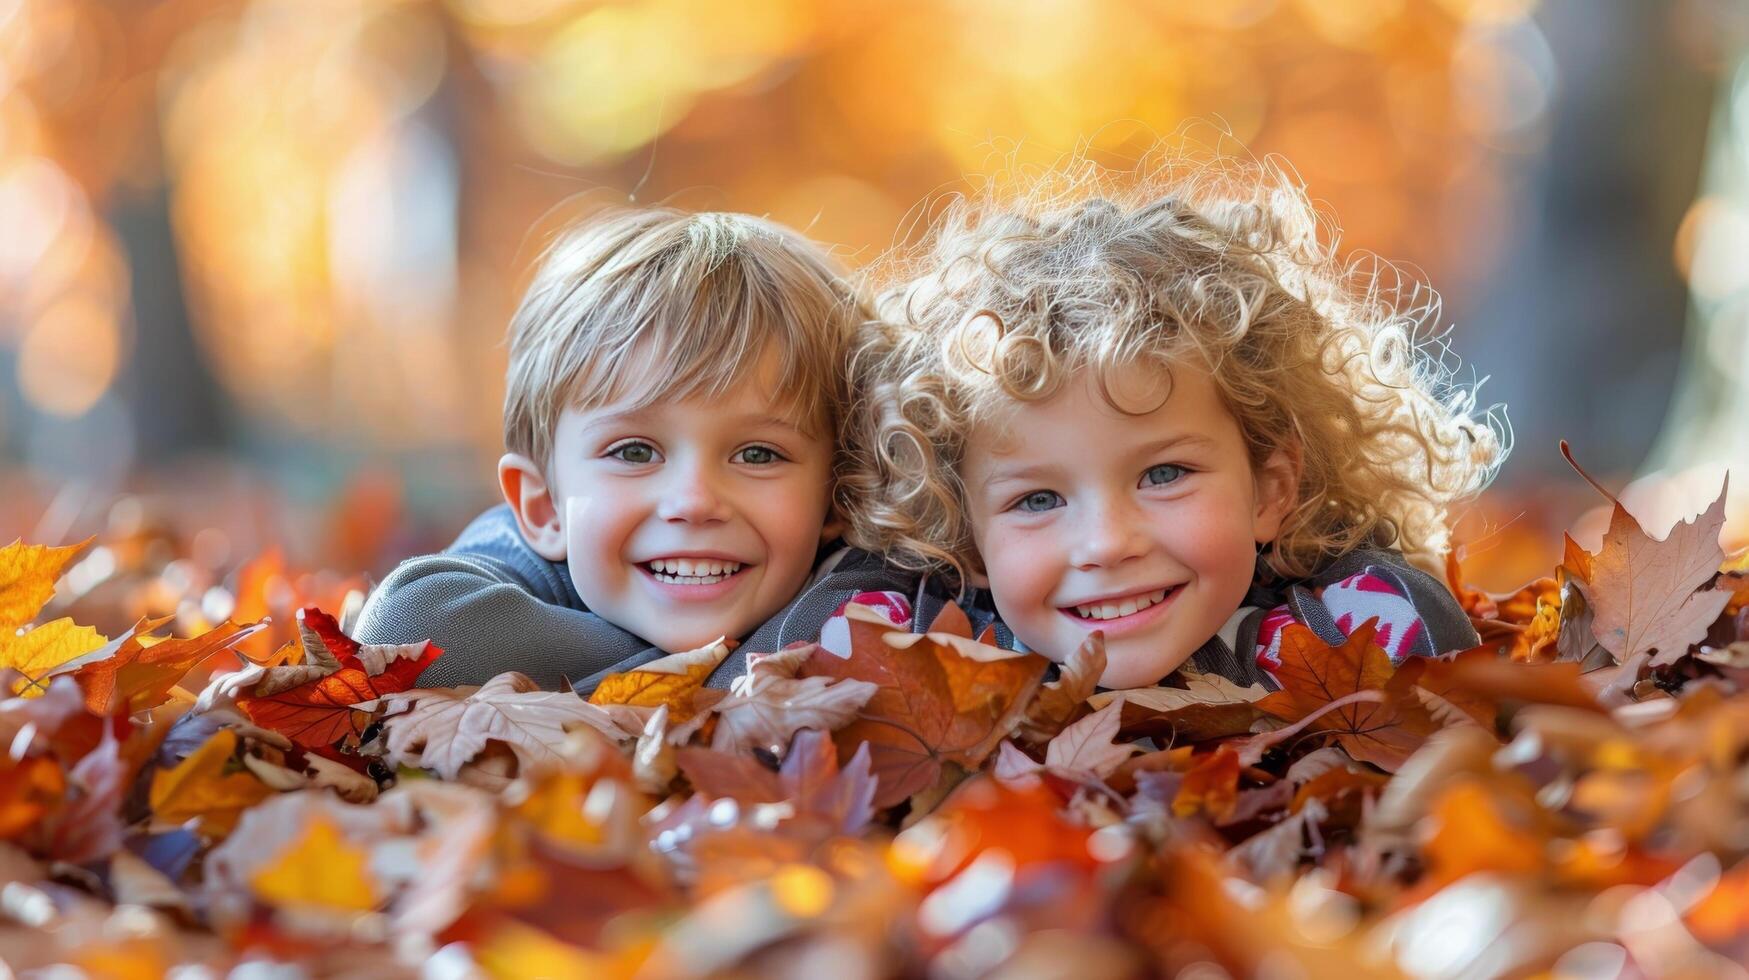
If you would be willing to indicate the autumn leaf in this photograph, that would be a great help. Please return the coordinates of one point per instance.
(1211, 785)
(721, 775)
(769, 704)
(833, 800)
(671, 681)
(1088, 745)
(1438, 685)
(1474, 829)
(28, 573)
(321, 712)
(89, 826)
(1647, 595)
(137, 677)
(319, 868)
(1058, 701)
(1312, 674)
(912, 724)
(1333, 782)
(208, 785)
(29, 789)
(841, 797)
(1208, 706)
(37, 653)
(444, 729)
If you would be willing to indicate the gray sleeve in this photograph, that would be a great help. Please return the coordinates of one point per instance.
(487, 621)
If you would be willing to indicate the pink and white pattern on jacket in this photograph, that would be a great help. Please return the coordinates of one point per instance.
(835, 633)
(1351, 602)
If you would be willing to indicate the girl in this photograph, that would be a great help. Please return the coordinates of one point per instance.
(1156, 407)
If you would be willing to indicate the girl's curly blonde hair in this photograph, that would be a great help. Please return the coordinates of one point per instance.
(1224, 264)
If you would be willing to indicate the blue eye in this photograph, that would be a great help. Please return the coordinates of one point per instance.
(1158, 476)
(759, 455)
(1039, 501)
(633, 452)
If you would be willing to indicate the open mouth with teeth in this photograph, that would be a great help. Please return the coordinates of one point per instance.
(1119, 608)
(691, 571)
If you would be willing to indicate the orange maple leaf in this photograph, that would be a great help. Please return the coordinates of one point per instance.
(1384, 730)
(937, 700)
(139, 678)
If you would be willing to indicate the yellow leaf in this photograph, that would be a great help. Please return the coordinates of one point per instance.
(670, 681)
(200, 787)
(36, 653)
(27, 579)
(516, 950)
(320, 868)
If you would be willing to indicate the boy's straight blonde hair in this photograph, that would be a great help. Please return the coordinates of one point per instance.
(1224, 264)
(700, 297)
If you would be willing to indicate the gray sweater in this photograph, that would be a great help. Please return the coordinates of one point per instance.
(494, 605)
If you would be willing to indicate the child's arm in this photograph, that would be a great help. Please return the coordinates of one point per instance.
(493, 605)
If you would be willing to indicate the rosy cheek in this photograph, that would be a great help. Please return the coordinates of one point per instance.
(1023, 566)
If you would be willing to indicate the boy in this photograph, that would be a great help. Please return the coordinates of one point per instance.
(671, 412)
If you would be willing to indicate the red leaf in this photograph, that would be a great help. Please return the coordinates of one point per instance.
(321, 712)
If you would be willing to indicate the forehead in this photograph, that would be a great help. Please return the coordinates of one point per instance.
(646, 381)
(1151, 403)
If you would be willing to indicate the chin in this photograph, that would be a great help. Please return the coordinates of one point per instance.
(1121, 674)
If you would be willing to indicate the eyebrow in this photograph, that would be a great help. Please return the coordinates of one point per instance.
(1180, 441)
(1036, 471)
(777, 421)
(638, 415)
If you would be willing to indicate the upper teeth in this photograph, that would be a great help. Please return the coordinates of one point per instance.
(694, 567)
(1122, 607)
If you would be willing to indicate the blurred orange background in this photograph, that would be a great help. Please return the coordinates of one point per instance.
(257, 257)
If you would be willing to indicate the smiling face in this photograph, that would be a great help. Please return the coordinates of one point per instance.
(1144, 526)
(686, 520)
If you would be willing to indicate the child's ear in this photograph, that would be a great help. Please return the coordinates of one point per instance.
(1278, 486)
(531, 500)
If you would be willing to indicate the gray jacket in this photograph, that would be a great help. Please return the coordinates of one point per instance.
(494, 605)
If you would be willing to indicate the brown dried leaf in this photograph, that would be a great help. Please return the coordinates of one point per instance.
(445, 729)
(767, 705)
(1088, 744)
(1648, 595)
(1060, 700)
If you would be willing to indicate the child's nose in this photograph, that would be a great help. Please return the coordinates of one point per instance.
(1109, 536)
(691, 498)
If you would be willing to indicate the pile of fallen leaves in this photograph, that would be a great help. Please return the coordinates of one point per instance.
(1572, 796)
